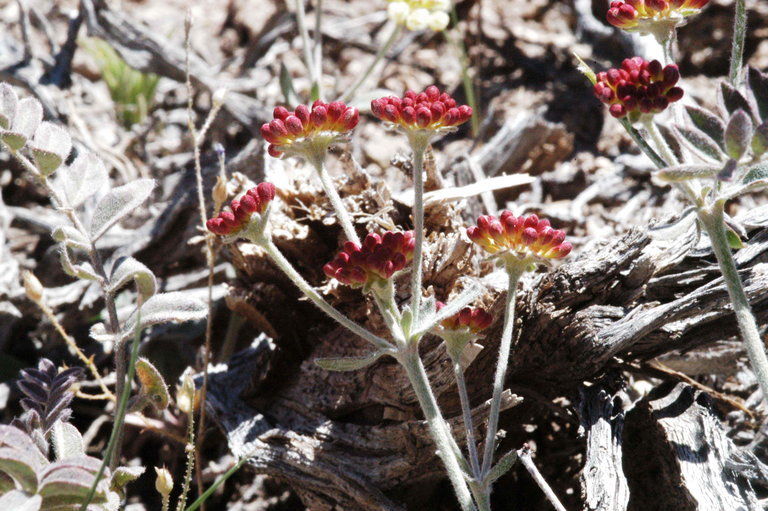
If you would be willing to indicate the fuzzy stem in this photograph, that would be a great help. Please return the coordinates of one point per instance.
(285, 266)
(524, 455)
(384, 296)
(410, 360)
(301, 21)
(333, 196)
(122, 408)
(737, 46)
(659, 141)
(466, 411)
(191, 450)
(714, 223)
(419, 145)
(393, 36)
(514, 270)
(642, 144)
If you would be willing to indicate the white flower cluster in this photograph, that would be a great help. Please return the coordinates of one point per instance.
(420, 14)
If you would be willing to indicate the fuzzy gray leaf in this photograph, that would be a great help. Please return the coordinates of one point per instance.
(760, 140)
(348, 363)
(125, 475)
(67, 441)
(502, 467)
(22, 466)
(71, 237)
(29, 115)
(86, 176)
(50, 147)
(756, 172)
(127, 269)
(700, 142)
(738, 134)
(680, 173)
(708, 123)
(733, 100)
(16, 500)
(9, 102)
(13, 437)
(117, 204)
(69, 485)
(758, 85)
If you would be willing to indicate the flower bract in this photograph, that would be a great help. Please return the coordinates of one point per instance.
(238, 216)
(308, 131)
(521, 237)
(375, 261)
(652, 16)
(430, 111)
(638, 87)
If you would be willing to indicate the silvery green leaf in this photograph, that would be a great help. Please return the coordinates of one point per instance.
(19, 501)
(406, 321)
(29, 114)
(699, 142)
(21, 465)
(50, 147)
(467, 296)
(738, 134)
(734, 241)
(286, 86)
(348, 363)
(67, 441)
(176, 307)
(756, 172)
(83, 270)
(752, 186)
(125, 475)
(71, 237)
(118, 203)
(83, 178)
(127, 269)
(505, 463)
(758, 85)
(69, 485)
(733, 100)
(760, 140)
(680, 173)
(710, 124)
(9, 102)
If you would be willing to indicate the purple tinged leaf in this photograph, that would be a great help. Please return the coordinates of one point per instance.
(710, 124)
(738, 134)
(732, 100)
(760, 140)
(118, 203)
(33, 389)
(758, 85)
(700, 143)
(726, 174)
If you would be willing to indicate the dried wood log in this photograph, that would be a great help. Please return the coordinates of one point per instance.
(677, 455)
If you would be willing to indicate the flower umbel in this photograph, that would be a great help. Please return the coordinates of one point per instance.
(375, 261)
(234, 220)
(430, 110)
(647, 15)
(474, 320)
(521, 236)
(638, 87)
(420, 14)
(308, 131)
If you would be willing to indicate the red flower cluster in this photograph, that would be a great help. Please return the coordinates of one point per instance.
(328, 120)
(377, 259)
(525, 235)
(634, 14)
(430, 110)
(233, 221)
(638, 87)
(474, 319)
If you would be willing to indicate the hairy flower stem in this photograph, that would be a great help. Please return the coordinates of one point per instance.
(190, 449)
(524, 455)
(410, 360)
(338, 206)
(285, 266)
(712, 219)
(642, 144)
(737, 45)
(514, 269)
(393, 36)
(658, 140)
(466, 410)
(419, 143)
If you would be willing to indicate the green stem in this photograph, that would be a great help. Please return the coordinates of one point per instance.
(642, 144)
(714, 223)
(474, 459)
(221, 480)
(419, 145)
(514, 270)
(336, 203)
(301, 21)
(737, 46)
(659, 141)
(286, 267)
(410, 360)
(121, 411)
(319, 46)
(393, 36)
